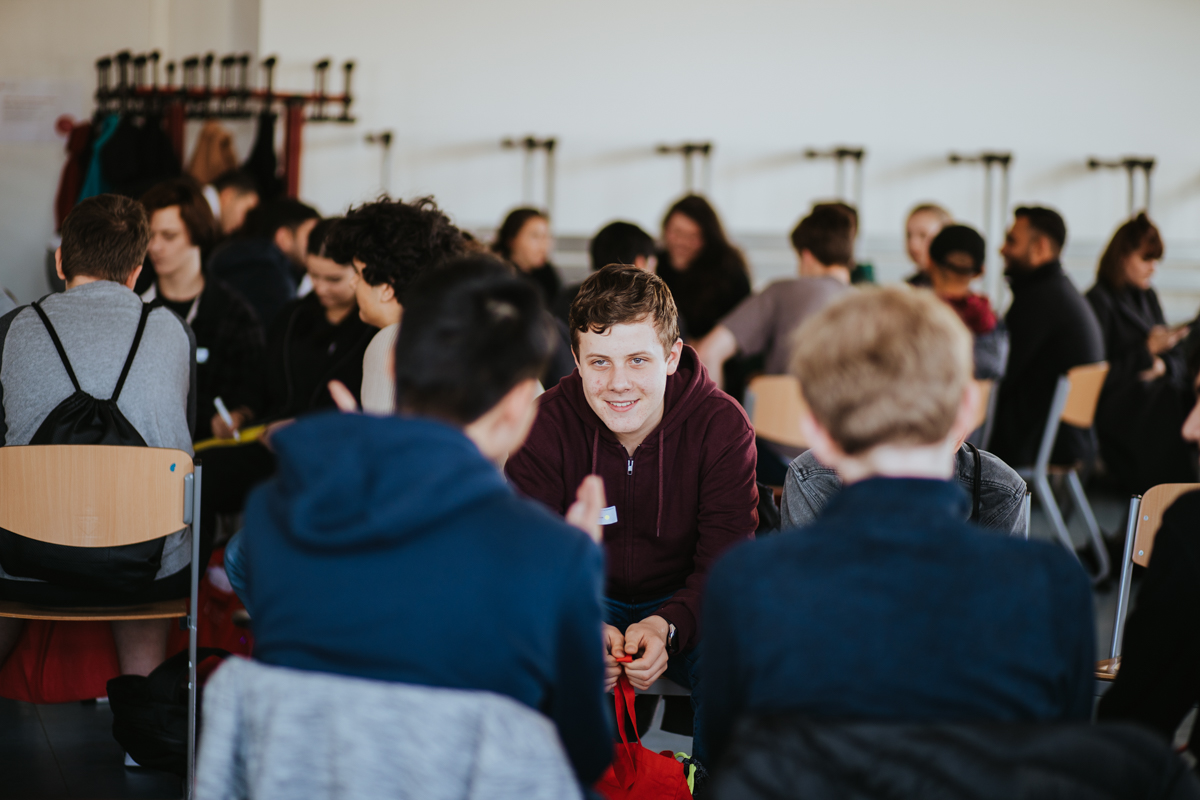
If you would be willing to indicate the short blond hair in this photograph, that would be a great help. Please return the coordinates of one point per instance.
(883, 366)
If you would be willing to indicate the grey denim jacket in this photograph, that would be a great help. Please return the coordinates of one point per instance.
(810, 484)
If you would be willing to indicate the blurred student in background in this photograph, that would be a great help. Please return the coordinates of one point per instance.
(524, 241)
(923, 223)
(229, 337)
(1147, 393)
(956, 258)
(706, 274)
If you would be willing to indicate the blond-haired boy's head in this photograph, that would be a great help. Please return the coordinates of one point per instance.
(884, 366)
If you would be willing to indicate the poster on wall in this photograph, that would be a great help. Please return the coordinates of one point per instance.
(29, 108)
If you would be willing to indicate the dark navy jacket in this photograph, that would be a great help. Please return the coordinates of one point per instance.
(390, 548)
(890, 607)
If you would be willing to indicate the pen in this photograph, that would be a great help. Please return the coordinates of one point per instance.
(228, 420)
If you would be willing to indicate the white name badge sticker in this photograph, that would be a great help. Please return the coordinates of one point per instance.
(201, 355)
(608, 515)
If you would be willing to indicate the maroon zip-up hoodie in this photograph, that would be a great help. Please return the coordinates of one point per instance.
(683, 498)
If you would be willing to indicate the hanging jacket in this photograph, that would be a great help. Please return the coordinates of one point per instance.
(214, 155)
(389, 548)
(94, 182)
(685, 495)
(138, 156)
(262, 163)
(79, 155)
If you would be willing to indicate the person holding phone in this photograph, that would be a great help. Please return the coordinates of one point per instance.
(1147, 394)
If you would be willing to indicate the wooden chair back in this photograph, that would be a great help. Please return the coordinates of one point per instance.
(82, 495)
(776, 408)
(1150, 513)
(1086, 382)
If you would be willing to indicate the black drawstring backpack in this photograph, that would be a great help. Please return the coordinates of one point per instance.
(83, 419)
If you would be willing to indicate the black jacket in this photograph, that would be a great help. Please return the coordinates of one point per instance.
(230, 346)
(1051, 329)
(260, 271)
(1138, 422)
(707, 290)
(785, 756)
(305, 352)
(1159, 683)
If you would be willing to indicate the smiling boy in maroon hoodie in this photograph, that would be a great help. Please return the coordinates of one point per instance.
(677, 457)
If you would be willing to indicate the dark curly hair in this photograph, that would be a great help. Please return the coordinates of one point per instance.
(396, 241)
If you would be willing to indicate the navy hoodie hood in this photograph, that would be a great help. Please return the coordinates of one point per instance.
(390, 548)
(352, 482)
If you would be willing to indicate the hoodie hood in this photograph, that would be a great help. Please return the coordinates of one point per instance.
(353, 481)
(686, 390)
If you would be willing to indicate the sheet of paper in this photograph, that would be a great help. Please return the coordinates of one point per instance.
(29, 107)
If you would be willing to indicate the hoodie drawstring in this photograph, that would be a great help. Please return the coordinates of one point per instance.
(661, 456)
(595, 449)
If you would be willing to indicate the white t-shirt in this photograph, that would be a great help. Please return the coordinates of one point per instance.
(379, 379)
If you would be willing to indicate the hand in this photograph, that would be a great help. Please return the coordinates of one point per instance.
(584, 513)
(650, 638)
(223, 431)
(343, 398)
(1162, 338)
(614, 643)
(1157, 371)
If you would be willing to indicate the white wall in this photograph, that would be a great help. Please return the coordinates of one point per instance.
(61, 40)
(1055, 81)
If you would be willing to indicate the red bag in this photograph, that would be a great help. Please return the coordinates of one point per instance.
(637, 773)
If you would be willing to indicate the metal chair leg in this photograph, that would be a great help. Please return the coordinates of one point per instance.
(194, 600)
(1104, 565)
(1050, 506)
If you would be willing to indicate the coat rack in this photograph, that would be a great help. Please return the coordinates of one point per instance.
(691, 152)
(994, 163)
(1131, 165)
(530, 147)
(129, 84)
(844, 156)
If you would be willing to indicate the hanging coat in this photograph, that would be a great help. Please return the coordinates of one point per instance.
(79, 155)
(1138, 422)
(94, 182)
(138, 156)
(214, 155)
(262, 163)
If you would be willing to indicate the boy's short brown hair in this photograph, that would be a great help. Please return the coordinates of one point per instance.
(105, 237)
(883, 366)
(621, 295)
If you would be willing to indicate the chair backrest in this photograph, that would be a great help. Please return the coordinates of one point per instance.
(1145, 518)
(86, 495)
(775, 406)
(1150, 513)
(1086, 381)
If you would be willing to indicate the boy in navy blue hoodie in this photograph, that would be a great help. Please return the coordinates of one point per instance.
(392, 548)
(890, 607)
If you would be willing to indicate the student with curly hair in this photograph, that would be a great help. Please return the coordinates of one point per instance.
(390, 243)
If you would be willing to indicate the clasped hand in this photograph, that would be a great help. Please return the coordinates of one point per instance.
(649, 638)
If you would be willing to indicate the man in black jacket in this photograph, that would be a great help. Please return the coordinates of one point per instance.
(1051, 329)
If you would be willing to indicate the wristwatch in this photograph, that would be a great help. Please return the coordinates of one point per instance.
(672, 640)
